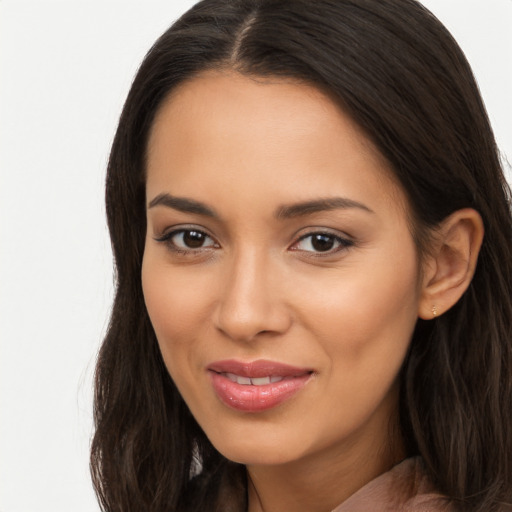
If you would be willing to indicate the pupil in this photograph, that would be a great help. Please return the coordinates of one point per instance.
(322, 242)
(193, 239)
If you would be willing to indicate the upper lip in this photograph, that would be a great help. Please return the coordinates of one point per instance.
(255, 369)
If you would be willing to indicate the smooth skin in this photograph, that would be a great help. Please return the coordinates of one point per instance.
(236, 267)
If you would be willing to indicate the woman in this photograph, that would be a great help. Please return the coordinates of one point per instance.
(312, 238)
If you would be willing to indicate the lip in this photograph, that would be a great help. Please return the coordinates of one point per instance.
(256, 398)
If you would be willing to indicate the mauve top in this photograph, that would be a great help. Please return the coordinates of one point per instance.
(405, 488)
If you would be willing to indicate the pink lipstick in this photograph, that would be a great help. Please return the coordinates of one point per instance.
(256, 386)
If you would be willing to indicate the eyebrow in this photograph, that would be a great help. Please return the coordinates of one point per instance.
(182, 204)
(186, 205)
(319, 205)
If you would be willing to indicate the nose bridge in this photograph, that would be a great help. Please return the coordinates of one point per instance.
(250, 301)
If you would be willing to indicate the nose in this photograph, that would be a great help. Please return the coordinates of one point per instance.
(251, 301)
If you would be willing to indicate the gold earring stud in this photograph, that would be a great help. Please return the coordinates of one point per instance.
(434, 310)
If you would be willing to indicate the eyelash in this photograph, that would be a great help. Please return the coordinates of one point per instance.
(167, 238)
(340, 242)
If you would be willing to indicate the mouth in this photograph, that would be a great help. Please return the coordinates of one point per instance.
(256, 386)
(254, 381)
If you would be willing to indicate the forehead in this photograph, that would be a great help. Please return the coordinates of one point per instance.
(248, 130)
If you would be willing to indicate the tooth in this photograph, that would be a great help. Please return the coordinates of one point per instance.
(275, 378)
(260, 381)
(231, 376)
(245, 381)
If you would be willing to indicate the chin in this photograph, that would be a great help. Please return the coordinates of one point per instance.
(257, 455)
(267, 447)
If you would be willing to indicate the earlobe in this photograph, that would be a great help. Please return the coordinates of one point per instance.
(451, 262)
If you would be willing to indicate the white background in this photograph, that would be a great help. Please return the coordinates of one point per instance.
(65, 69)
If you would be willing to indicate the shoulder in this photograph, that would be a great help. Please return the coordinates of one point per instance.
(405, 488)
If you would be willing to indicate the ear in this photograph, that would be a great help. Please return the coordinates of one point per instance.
(450, 264)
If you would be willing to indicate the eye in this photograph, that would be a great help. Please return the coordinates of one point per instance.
(186, 240)
(321, 243)
(191, 239)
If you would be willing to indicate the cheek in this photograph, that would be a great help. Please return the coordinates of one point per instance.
(364, 326)
(364, 318)
(175, 306)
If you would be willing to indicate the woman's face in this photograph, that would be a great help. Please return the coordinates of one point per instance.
(279, 272)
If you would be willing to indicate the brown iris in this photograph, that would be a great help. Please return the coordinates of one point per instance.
(322, 242)
(193, 239)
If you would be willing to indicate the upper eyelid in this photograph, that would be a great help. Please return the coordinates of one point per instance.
(338, 237)
(173, 230)
(324, 232)
(166, 237)
(316, 230)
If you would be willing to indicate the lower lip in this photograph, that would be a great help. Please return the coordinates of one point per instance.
(249, 398)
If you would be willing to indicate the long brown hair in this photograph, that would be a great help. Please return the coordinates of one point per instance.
(400, 75)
